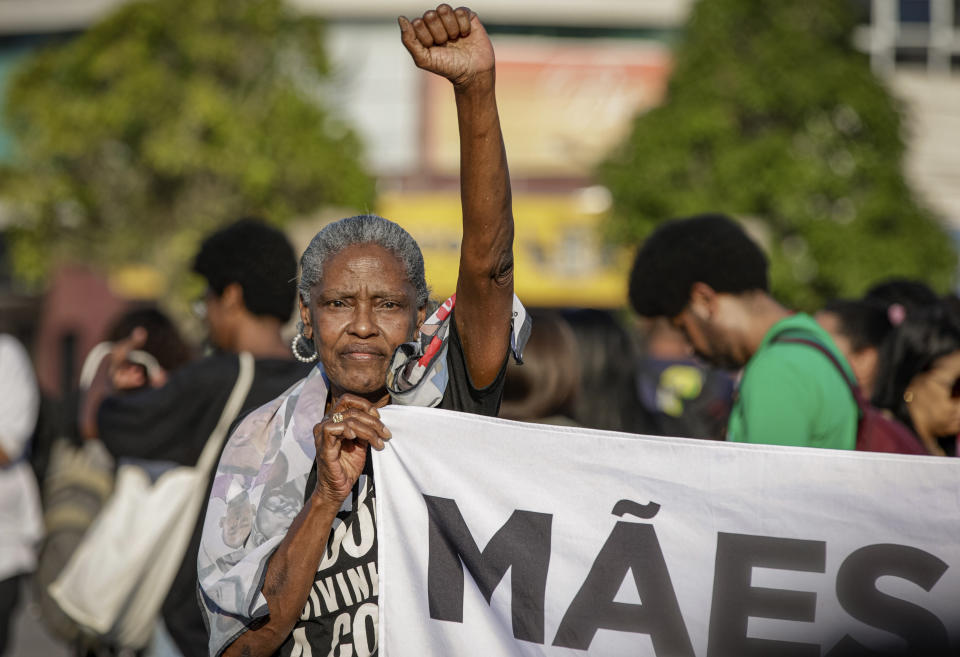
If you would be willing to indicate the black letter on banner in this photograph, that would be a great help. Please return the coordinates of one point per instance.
(856, 590)
(523, 544)
(734, 600)
(630, 547)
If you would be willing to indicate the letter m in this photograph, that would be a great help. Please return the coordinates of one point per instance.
(521, 544)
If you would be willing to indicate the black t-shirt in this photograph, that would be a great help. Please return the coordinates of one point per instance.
(341, 613)
(172, 424)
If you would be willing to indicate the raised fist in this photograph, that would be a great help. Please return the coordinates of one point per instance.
(449, 42)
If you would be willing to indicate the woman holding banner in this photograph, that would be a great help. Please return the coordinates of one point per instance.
(302, 579)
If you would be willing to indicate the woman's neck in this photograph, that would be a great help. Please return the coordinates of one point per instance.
(261, 336)
(379, 398)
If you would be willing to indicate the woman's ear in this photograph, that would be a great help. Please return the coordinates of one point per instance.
(305, 318)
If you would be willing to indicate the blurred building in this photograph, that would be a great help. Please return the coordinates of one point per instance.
(571, 75)
(916, 45)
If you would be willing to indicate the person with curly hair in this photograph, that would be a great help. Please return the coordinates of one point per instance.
(708, 277)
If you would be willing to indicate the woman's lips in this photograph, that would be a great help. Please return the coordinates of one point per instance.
(362, 353)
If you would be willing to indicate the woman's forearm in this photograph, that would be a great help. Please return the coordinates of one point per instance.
(289, 576)
(485, 281)
(485, 193)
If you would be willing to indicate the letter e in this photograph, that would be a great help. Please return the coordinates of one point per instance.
(735, 601)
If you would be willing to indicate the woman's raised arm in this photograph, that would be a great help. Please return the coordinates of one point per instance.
(454, 44)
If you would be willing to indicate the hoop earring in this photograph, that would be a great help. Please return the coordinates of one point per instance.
(294, 347)
(908, 396)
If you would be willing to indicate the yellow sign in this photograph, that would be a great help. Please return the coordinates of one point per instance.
(138, 281)
(560, 260)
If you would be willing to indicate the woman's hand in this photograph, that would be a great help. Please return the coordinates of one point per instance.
(131, 368)
(341, 440)
(449, 42)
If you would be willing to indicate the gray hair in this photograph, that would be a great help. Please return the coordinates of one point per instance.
(363, 229)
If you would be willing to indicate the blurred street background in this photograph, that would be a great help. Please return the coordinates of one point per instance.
(831, 128)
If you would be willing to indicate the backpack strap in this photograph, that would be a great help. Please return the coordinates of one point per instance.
(211, 450)
(787, 338)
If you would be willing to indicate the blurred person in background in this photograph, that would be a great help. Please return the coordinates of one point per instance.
(682, 395)
(73, 495)
(162, 350)
(546, 385)
(919, 377)
(21, 524)
(901, 296)
(859, 327)
(163, 341)
(251, 272)
(606, 356)
(710, 280)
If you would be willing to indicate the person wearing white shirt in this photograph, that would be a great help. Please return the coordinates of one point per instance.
(21, 520)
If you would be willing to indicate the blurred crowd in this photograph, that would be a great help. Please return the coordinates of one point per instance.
(705, 351)
(676, 366)
(608, 370)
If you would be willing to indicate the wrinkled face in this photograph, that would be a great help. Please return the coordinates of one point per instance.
(708, 340)
(362, 309)
(935, 398)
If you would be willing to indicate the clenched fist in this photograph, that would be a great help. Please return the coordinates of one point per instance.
(449, 42)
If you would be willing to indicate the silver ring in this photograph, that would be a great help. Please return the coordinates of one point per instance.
(337, 417)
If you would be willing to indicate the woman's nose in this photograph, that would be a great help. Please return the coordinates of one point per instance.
(363, 324)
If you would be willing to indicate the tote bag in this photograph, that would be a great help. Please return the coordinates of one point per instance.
(77, 485)
(116, 581)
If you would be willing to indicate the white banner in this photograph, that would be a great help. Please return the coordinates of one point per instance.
(502, 538)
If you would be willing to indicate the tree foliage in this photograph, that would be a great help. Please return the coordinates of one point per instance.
(166, 120)
(771, 116)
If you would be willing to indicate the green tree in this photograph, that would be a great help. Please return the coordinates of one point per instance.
(166, 120)
(773, 117)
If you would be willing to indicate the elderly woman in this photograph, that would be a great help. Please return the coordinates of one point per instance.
(303, 580)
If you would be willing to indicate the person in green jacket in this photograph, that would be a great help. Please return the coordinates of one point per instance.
(708, 277)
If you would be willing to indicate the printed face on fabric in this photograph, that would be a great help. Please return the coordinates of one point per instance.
(276, 513)
(935, 397)
(237, 523)
(362, 309)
